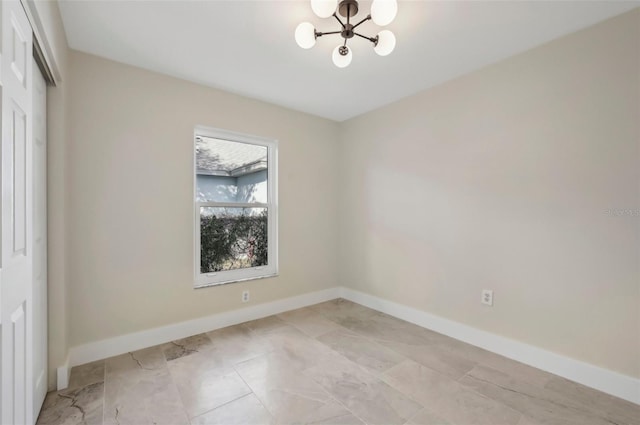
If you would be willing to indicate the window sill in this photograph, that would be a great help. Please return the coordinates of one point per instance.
(235, 280)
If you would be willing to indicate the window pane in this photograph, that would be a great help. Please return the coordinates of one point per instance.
(232, 238)
(230, 171)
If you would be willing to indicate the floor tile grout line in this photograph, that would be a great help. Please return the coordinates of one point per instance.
(416, 414)
(367, 337)
(377, 342)
(331, 396)
(522, 412)
(475, 363)
(355, 333)
(222, 405)
(253, 392)
(175, 384)
(104, 389)
(366, 371)
(466, 374)
(341, 403)
(177, 387)
(408, 359)
(313, 380)
(471, 389)
(381, 381)
(456, 381)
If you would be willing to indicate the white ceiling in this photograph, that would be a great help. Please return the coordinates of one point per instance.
(248, 48)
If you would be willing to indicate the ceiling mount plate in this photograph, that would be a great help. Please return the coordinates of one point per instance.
(348, 8)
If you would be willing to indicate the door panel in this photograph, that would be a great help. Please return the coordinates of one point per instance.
(16, 257)
(19, 181)
(18, 50)
(19, 349)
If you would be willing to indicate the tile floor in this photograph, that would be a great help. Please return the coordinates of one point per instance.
(331, 363)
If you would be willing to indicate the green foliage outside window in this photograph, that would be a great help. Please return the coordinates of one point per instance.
(232, 241)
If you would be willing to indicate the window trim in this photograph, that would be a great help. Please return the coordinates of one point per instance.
(203, 280)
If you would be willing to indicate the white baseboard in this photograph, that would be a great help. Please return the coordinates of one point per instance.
(607, 381)
(62, 375)
(135, 341)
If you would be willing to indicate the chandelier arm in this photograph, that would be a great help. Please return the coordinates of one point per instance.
(374, 40)
(338, 18)
(320, 34)
(362, 22)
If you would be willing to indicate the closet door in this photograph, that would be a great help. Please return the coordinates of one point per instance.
(39, 239)
(16, 255)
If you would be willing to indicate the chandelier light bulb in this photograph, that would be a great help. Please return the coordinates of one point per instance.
(342, 60)
(386, 43)
(383, 12)
(306, 35)
(324, 8)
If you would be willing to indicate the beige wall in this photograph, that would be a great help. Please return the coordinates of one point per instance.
(57, 106)
(501, 179)
(130, 211)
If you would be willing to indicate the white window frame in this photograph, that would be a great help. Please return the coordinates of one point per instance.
(229, 276)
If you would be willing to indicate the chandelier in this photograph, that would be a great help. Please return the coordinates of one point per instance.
(382, 13)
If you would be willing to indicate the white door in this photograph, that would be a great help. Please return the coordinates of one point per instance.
(39, 239)
(16, 229)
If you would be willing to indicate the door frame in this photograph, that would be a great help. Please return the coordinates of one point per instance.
(42, 49)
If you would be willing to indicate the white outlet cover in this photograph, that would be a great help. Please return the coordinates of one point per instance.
(487, 297)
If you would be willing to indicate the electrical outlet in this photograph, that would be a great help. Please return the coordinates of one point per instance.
(487, 297)
(245, 296)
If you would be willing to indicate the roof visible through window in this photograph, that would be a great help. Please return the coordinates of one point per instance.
(226, 158)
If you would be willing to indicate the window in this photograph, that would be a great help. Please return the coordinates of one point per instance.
(236, 207)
